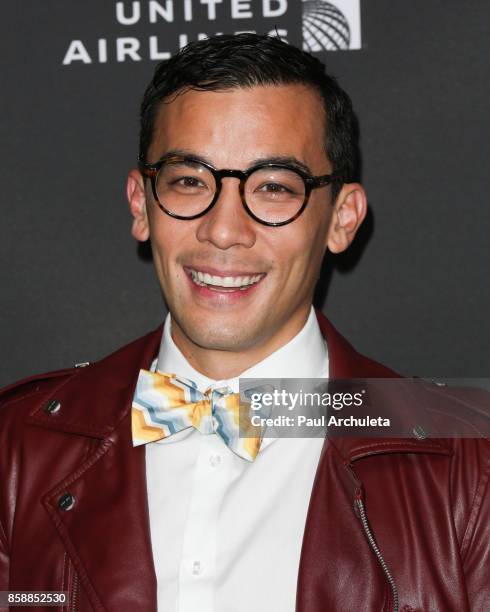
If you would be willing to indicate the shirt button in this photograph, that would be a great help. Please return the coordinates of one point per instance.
(196, 568)
(214, 460)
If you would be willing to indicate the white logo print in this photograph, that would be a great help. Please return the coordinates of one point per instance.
(331, 25)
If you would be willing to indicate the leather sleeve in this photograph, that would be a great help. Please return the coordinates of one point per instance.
(476, 543)
(4, 546)
(4, 561)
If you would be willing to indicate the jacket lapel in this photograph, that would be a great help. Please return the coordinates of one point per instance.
(347, 363)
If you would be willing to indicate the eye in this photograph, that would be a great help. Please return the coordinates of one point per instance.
(188, 181)
(274, 188)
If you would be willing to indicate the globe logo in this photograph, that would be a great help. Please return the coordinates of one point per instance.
(325, 27)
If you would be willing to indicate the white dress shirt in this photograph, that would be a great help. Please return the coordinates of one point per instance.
(226, 533)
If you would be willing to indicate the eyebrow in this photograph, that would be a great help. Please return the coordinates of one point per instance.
(275, 159)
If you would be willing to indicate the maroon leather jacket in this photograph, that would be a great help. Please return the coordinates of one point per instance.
(393, 525)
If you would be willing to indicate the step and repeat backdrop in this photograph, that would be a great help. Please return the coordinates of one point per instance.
(414, 290)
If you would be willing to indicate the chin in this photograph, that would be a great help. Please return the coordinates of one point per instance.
(221, 337)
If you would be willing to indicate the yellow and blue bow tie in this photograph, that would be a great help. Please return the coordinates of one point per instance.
(164, 404)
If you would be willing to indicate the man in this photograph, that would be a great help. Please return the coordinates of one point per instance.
(244, 182)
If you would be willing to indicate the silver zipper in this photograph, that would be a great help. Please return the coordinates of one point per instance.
(377, 552)
(74, 593)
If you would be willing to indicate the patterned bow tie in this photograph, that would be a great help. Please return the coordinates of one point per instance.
(164, 404)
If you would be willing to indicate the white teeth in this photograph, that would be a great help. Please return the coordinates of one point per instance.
(203, 278)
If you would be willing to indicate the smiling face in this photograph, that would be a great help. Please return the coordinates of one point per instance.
(230, 283)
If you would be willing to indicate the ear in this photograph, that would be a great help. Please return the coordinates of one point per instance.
(349, 212)
(135, 191)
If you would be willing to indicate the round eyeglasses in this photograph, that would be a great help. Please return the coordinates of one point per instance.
(272, 193)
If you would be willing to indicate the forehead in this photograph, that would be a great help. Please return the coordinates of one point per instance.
(235, 126)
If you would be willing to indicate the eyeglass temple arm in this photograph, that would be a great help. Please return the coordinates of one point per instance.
(327, 179)
(147, 169)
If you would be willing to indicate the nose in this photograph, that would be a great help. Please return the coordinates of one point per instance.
(227, 224)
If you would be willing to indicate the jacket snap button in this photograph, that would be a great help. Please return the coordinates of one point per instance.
(53, 407)
(419, 432)
(83, 364)
(439, 383)
(66, 502)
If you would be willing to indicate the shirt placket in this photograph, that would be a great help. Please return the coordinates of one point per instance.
(197, 575)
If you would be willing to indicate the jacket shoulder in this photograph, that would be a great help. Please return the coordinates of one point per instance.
(33, 384)
(20, 397)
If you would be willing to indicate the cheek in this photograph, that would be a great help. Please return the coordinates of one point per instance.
(295, 253)
(305, 237)
(166, 240)
(305, 249)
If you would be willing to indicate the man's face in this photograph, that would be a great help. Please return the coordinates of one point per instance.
(233, 129)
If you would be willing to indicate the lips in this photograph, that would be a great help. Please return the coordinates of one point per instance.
(223, 282)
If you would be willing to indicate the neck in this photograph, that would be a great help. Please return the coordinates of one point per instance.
(219, 364)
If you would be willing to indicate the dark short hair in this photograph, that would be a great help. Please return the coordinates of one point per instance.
(248, 60)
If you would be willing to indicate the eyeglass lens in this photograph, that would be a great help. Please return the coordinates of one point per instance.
(272, 194)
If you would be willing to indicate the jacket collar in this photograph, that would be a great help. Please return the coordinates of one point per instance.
(346, 362)
(114, 379)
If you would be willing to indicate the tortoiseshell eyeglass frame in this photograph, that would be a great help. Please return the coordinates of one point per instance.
(310, 182)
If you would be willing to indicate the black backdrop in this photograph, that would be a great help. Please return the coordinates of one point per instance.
(414, 293)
